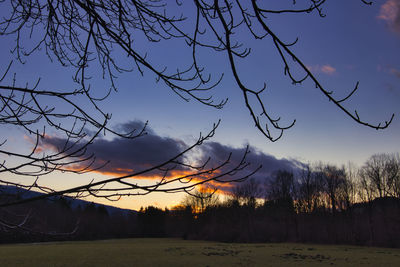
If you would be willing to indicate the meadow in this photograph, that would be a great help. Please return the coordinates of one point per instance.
(175, 252)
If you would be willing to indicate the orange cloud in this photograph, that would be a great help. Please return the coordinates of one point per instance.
(127, 157)
(395, 72)
(188, 177)
(326, 69)
(390, 13)
(42, 146)
(222, 187)
(389, 69)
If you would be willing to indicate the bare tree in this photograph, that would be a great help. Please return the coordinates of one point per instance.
(349, 192)
(308, 190)
(281, 187)
(396, 173)
(82, 34)
(247, 193)
(200, 199)
(334, 179)
(328, 186)
(380, 175)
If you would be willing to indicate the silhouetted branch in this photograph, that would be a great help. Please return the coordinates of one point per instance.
(111, 24)
(79, 34)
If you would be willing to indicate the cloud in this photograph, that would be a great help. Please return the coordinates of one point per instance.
(128, 156)
(326, 69)
(124, 156)
(390, 12)
(395, 72)
(388, 69)
(136, 126)
(270, 164)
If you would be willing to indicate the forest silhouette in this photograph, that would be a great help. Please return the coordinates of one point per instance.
(321, 204)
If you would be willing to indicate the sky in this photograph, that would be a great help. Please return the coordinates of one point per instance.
(353, 43)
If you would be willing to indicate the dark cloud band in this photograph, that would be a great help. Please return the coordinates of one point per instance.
(127, 156)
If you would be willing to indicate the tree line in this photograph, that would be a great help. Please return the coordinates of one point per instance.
(62, 219)
(322, 203)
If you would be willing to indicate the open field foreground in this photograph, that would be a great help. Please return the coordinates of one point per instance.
(174, 252)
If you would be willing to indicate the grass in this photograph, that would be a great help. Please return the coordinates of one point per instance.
(174, 252)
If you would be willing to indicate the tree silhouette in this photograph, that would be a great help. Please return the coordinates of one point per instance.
(380, 176)
(247, 193)
(78, 34)
(309, 189)
(281, 188)
(200, 200)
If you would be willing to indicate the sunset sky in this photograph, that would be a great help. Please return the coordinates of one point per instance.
(354, 42)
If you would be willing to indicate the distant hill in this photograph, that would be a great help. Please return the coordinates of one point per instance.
(73, 203)
(60, 218)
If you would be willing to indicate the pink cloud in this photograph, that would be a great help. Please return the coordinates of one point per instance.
(326, 69)
(390, 12)
(388, 69)
(395, 72)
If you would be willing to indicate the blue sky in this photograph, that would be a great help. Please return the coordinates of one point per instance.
(351, 40)
(354, 42)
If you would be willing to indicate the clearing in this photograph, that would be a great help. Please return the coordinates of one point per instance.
(175, 252)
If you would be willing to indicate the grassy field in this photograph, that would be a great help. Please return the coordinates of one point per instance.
(174, 252)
